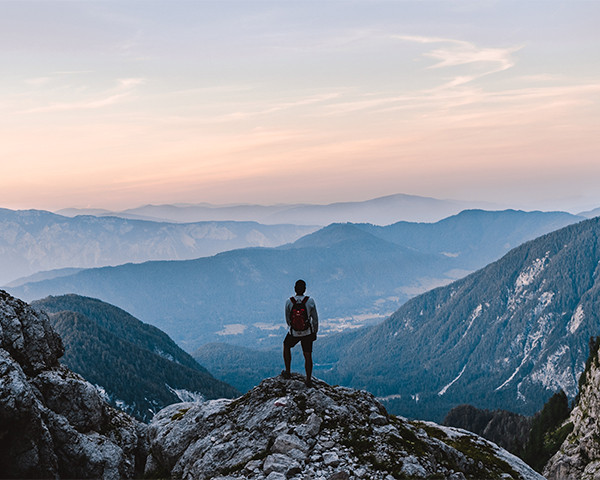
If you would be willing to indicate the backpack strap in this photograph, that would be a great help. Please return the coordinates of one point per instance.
(304, 300)
(294, 302)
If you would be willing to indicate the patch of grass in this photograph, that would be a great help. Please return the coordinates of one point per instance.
(180, 414)
(555, 439)
(484, 454)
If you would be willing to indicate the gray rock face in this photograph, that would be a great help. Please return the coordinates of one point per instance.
(282, 429)
(53, 423)
(579, 455)
(27, 336)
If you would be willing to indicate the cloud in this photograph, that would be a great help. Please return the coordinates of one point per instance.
(123, 90)
(87, 105)
(127, 83)
(455, 53)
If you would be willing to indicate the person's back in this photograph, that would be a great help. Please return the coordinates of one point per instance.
(303, 323)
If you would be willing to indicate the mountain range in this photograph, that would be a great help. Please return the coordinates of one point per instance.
(380, 211)
(55, 424)
(359, 274)
(138, 367)
(36, 240)
(506, 336)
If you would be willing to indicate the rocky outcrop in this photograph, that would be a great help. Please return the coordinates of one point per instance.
(282, 429)
(579, 455)
(54, 424)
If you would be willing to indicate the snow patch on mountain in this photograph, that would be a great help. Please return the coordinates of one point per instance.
(185, 395)
(553, 374)
(532, 341)
(474, 315)
(168, 356)
(543, 302)
(576, 320)
(527, 276)
(445, 389)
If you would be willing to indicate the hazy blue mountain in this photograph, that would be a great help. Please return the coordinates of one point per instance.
(243, 291)
(380, 211)
(45, 275)
(591, 213)
(34, 240)
(506, 336)
(474, 237)
(356, 276)
(141, 369)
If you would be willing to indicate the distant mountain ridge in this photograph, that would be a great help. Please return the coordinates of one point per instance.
(380, 211)
(139, 367)
(34, 240)
(506, 336)
(357, 277)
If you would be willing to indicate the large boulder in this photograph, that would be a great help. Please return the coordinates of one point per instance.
(54, 424)
(282, 429)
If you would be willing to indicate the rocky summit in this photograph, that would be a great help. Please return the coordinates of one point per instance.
(53, 423)
(282, 429)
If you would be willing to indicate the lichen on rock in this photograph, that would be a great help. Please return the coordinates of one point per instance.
(282, 429)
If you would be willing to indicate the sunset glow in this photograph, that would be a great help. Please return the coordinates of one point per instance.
(116, 104)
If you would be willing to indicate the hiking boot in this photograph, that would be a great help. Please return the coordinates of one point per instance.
(308, 383)
(286, 374)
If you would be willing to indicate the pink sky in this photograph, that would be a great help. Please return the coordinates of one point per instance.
(117, 104)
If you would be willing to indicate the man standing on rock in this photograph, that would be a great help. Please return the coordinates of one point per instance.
(303, 322)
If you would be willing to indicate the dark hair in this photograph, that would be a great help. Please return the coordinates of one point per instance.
(300, 287)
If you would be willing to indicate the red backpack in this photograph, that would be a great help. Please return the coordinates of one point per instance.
(299, 315)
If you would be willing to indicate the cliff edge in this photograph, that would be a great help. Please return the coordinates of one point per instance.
(53, 423)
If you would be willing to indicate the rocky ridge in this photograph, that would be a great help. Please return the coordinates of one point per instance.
(53, 423)
(282, 429)
(579, 455)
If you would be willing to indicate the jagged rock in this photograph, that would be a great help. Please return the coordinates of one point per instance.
(579, 456)
(27, 336)
(282, 429)
(285, 443)
(54, 424)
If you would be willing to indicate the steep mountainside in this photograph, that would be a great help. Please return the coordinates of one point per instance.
(54, 424)
(34, 240)
(579, 455)
(358, 274)
(281, 429)
(507, 336)
(139, 367)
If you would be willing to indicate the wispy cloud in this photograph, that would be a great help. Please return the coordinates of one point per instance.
(454, 53)
(86, 105)
(124, 89)
(278, 107)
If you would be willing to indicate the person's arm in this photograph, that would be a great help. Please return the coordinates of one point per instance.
(288, 311)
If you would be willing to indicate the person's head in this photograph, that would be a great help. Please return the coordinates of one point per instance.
(300, 287)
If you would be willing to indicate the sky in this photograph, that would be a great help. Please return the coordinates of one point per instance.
(115, 104)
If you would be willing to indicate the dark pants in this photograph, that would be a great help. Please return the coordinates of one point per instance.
(307, 341)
